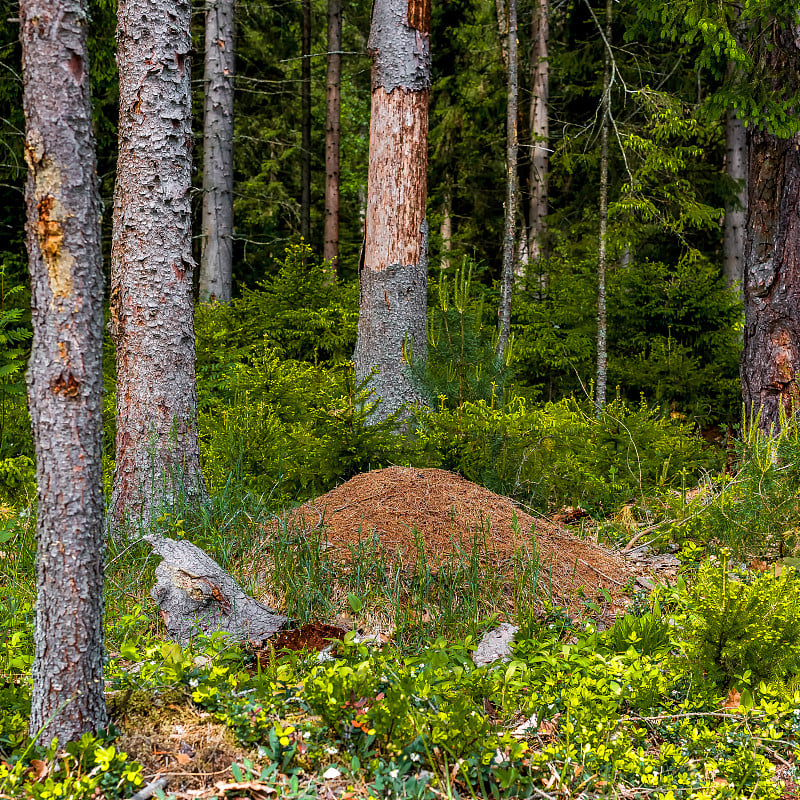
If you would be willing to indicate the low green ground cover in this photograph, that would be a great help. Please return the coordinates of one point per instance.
(692, 694)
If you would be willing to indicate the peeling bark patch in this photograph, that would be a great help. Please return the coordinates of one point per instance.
(50, 233)
(419, 15)
(398, 180)
(75, 66)
(401, 52)
(66, 385)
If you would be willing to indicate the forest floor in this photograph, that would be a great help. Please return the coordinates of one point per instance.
(392, 578)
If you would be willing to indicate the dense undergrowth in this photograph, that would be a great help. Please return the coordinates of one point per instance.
(674, 700)
(691, 693)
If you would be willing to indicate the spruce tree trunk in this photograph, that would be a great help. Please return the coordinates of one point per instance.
(152, 314)
(736, 211)
(332, 129)
(305, 122)
(509, 227)
(540, 130)
(771, 357)
(393, 274)
(65, 377)
(601, 378)
(216, 262)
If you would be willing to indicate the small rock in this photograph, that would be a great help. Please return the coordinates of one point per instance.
(331, 774)
(523, 729)
(495, 645)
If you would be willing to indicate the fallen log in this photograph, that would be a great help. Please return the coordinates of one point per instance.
(196, 596)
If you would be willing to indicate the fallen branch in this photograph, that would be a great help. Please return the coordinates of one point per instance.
(151, 789)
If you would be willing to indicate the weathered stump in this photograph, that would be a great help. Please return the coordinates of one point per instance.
(196, 596)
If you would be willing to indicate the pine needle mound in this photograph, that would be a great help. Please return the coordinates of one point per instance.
(403, 511)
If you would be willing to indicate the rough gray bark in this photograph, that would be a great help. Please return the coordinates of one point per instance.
(770, 363)
(216, 261)
(196, 595)
(735, 211)
(393, 273)
(305, 121)
(65, 378)
(509, 227)
(540, 130)
(602, 325)
(152, 313)
(332, 133)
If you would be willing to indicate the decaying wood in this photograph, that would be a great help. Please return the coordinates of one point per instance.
(197, 596)
(398, 181)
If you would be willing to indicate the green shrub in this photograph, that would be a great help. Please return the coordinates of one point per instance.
(754, 509)
(561, 453)
(282, 426)
(17, 480)
(673, 334)
(648, 633)
(461, 365)
(742, 627)
(298, 312)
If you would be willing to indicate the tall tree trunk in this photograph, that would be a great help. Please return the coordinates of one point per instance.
(540, 130)
(446, 228)
(152, 314)
(332, 128)
(65, 379)
(736, 210)
(305, 123)
(216, 262)
(602, 325)
(393, 275)
(770, 363)
(509, 227)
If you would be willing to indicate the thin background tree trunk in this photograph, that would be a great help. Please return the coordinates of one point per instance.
(540, 130)
(602, 325)
(504, 316)
(332, 130)
(152, 313)
(216, 261)
(446, 228)
(736, 211)
(770, 363)
(65, 378)
(393, 274)
(305, 123)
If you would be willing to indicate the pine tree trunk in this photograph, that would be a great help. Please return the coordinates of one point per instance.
(152, 314)
(736, 211)
(65, 378)
(540, 130)
(393, 274)
(770, 363)
(216, 262)
(305, 123)
(509, 227)
(446, 228)
(332, 129)
(602, 324)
